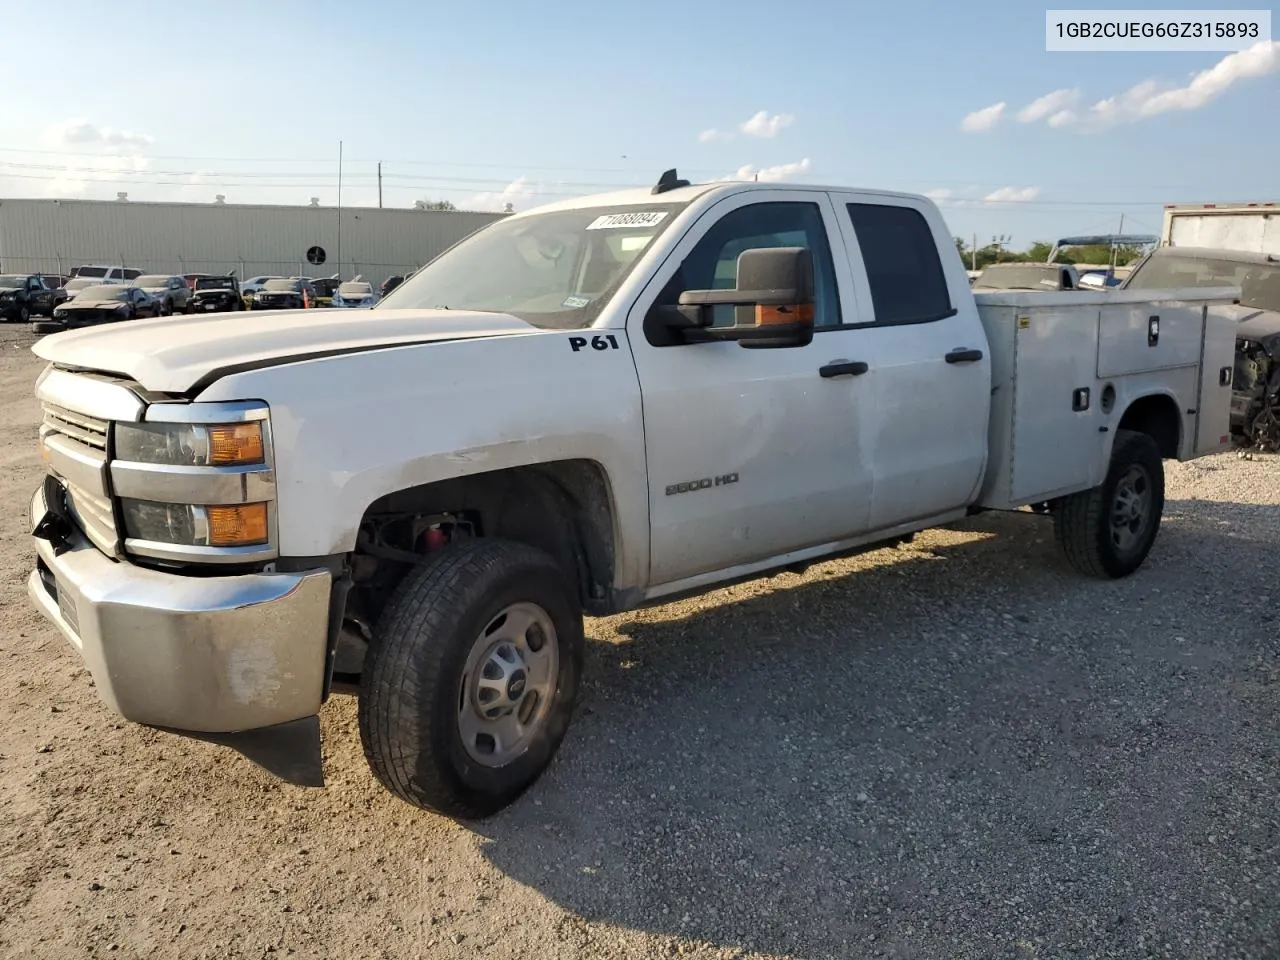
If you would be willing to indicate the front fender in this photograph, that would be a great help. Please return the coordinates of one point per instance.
(353, 428)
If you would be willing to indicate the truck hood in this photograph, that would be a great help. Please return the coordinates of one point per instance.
(1255, 323)
(174, 355)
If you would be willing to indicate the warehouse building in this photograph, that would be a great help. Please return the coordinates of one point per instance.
(53, 236)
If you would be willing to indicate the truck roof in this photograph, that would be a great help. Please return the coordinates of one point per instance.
(1216, 253)
(640, 196)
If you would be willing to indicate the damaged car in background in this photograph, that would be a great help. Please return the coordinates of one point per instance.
(1255, 391)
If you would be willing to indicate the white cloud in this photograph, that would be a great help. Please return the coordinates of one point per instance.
(1012, 195)
(764, 125)
(1050, 104)
(522, 193)
(938, 195)
(781, 171)
(983, 119)
(75, 179)
(706, 136)
(80, 132)
(1151, 98)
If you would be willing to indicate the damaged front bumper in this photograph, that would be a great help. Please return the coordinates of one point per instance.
(239, 660)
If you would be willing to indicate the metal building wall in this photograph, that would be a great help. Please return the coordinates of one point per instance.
(52, 236)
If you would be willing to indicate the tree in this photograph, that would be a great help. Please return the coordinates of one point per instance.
(438, 205)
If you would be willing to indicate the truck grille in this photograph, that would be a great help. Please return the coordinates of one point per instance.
(76, 450)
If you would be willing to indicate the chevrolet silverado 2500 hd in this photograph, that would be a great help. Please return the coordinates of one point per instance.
(592, 406)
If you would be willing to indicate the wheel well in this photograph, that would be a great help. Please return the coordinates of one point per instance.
(562, 507)
(1158, 417)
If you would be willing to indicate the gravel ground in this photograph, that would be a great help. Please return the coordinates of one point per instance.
(952, 749)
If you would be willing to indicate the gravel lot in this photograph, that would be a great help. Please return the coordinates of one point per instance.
(952, 749)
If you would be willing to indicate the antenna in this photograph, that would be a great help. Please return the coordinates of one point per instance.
(669, 180)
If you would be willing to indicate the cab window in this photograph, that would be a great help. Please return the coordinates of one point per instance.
(713, 262)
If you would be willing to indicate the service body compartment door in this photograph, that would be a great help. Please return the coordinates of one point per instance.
(1217, 364)
(1141, 337)
(1057, 440)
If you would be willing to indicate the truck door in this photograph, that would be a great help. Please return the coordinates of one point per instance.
(752, 453)
(929, 374)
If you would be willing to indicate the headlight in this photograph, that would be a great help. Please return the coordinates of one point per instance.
(191, 444)
(236, 525)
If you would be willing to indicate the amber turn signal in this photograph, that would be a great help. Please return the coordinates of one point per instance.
(790, 313)
(235, 443)
(241, 525)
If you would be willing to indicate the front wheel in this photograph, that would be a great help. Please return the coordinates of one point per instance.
(1109, 530)
(469, 684)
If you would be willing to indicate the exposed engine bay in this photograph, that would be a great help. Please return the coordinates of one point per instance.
(1256, 393)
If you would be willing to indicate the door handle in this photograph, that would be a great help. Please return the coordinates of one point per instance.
(963, 356)
(842, 368)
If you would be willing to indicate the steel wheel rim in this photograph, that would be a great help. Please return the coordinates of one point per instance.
(1131, 508)
(508, 684)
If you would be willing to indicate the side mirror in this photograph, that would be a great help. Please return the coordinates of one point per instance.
(774, 297)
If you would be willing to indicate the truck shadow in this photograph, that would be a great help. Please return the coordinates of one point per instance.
(912, 758)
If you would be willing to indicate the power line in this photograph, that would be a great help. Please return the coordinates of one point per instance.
(319, 161)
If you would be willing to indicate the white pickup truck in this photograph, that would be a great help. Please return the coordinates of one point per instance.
(588, 407)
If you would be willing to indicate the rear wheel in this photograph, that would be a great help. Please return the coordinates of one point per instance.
(24, 314)
(468, 687)
(1109, 530)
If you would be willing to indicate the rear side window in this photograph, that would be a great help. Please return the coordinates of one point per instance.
(904, 270)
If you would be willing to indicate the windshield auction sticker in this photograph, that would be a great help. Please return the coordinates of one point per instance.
(641, 218)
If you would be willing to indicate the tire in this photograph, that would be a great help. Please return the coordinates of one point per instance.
(433, 660)
(24, 314)
(1088, 525)
(46, 326)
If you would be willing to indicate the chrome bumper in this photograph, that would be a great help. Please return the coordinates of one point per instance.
(198, 654)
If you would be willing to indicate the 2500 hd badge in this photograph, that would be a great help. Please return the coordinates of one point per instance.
(703, 484)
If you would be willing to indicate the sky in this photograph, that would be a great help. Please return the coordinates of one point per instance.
(485, 104)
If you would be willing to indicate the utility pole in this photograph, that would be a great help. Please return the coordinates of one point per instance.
(1115, 249)
(379, 184)
(973, 254)
(339, 210)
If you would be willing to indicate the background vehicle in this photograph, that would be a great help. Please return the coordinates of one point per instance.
(291, 294)
(1255, 400)
(24, 295)
(251, 287)
(90, 274)
(216, 294)
(1246, 227)
(1027, 276)
(596, 405)
(355, 293)
(171, 291)
(102, 303)
(390, 284)
(325, 288)
(57, 285)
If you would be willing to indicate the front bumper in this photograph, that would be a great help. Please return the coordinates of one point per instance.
(192, 654)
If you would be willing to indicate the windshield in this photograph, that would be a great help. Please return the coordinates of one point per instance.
(215, 283)
(1019, 277)
(108, 291)
(91, 272)
(10, 280)
(279, 286)
(152, 281)
(1259, 283)
(552, 270)
(355, 289)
